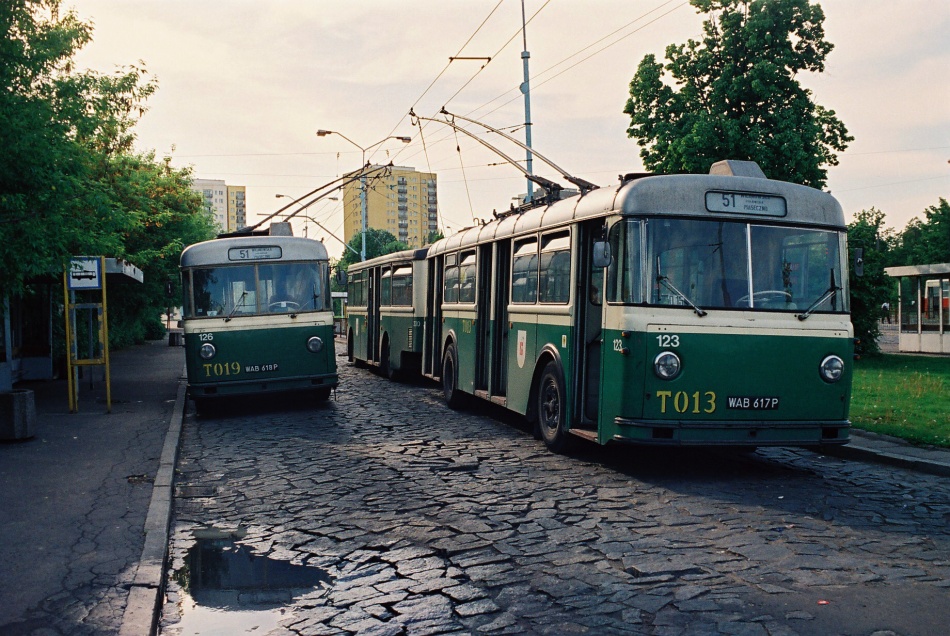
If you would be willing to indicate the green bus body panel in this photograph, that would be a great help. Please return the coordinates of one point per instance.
(715, 368)
(462, 325)
(244, 357)
(358, 328)
(397, 328)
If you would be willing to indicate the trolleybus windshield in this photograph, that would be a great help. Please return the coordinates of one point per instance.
(725, 264)
(232, 291)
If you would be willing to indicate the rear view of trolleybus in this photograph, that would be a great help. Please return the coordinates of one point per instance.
(257, 317)
(681, 309)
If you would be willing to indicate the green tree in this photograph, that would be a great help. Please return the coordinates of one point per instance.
(867, 233)
(925, 242)
(734, 95)
(378, 243)
(165, 217)
(59, 130)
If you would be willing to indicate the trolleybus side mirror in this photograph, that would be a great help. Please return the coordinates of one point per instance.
(341, 277)
(858, 262)
(602, 256)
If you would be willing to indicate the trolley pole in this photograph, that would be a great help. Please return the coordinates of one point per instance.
(526, 90)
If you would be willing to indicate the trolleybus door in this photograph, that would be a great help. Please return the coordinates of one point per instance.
(501, 294)
(589, 321)
(431, 356)
(483, 322)
(372, 315)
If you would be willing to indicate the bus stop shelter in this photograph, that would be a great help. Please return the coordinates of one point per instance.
(923, 310)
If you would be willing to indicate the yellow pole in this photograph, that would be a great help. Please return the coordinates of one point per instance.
(105, 334)
(69, 346)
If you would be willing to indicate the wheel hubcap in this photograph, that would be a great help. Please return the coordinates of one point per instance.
(550, 406)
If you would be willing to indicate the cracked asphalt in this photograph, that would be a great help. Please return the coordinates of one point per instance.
(430, 521)
(73, 499)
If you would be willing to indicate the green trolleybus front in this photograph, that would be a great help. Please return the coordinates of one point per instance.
(669, 310)
(257, 317)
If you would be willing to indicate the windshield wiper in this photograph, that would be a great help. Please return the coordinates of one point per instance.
(829, 293)
(239, 303)
(660, 278)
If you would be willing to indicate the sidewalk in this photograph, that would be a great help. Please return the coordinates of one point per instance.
(79, 549)
(85, 504)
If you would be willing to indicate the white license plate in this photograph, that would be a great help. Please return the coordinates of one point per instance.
(752, 403)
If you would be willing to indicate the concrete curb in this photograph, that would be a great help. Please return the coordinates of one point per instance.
(145, 594)
(892, 459)
(870, 447)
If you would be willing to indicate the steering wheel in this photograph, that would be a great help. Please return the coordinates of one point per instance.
(284, 304)
(766, 295)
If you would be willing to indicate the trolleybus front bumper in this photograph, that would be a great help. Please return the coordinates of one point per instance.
(744, 433)
(261, 385)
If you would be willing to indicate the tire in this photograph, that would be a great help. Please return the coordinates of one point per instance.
(203, 407)
(552, 410)
(385, 367)
(454, 398)
(350, 356)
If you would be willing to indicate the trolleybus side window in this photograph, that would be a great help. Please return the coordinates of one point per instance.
(467, 277)
(386, 293)
(623, 275)
(555, 275)
(524, 272)
(451, 292)
(402, 286)
(358, 287)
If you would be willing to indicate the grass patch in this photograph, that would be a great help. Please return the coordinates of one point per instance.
(904, 396)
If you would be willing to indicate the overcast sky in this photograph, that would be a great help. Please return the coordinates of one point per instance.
(245, 84)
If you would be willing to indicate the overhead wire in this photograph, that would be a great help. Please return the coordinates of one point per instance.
(446, 67)
(536, 84)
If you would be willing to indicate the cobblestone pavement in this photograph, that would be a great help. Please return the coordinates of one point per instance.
(429, 521)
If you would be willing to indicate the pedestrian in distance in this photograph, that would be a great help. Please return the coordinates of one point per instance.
(885, 312)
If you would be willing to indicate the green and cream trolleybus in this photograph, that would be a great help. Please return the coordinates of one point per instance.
(677, 310)
(258, 317)
(386, 304)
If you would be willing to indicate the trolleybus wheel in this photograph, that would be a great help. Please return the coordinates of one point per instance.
(453, 397)
(385, 367)
(203, 407)
(552, 410)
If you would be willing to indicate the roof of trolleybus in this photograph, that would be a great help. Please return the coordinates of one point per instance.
(660, 195)
(416, 254)
(219, 251)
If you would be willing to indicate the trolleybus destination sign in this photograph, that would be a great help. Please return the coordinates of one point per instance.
(254, 253)
(745, 203)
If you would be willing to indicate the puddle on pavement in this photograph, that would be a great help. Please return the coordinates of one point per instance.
(229, 589)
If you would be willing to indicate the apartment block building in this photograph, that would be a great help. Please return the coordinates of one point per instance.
(225, 202)
(402, 201)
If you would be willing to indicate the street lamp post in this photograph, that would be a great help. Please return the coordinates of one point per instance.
(363, 210)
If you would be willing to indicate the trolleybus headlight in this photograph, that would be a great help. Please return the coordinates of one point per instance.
(207, 351)
(667, 365)
(831, 368)
(314, 344)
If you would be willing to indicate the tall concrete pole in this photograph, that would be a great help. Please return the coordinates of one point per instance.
(526, 90)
